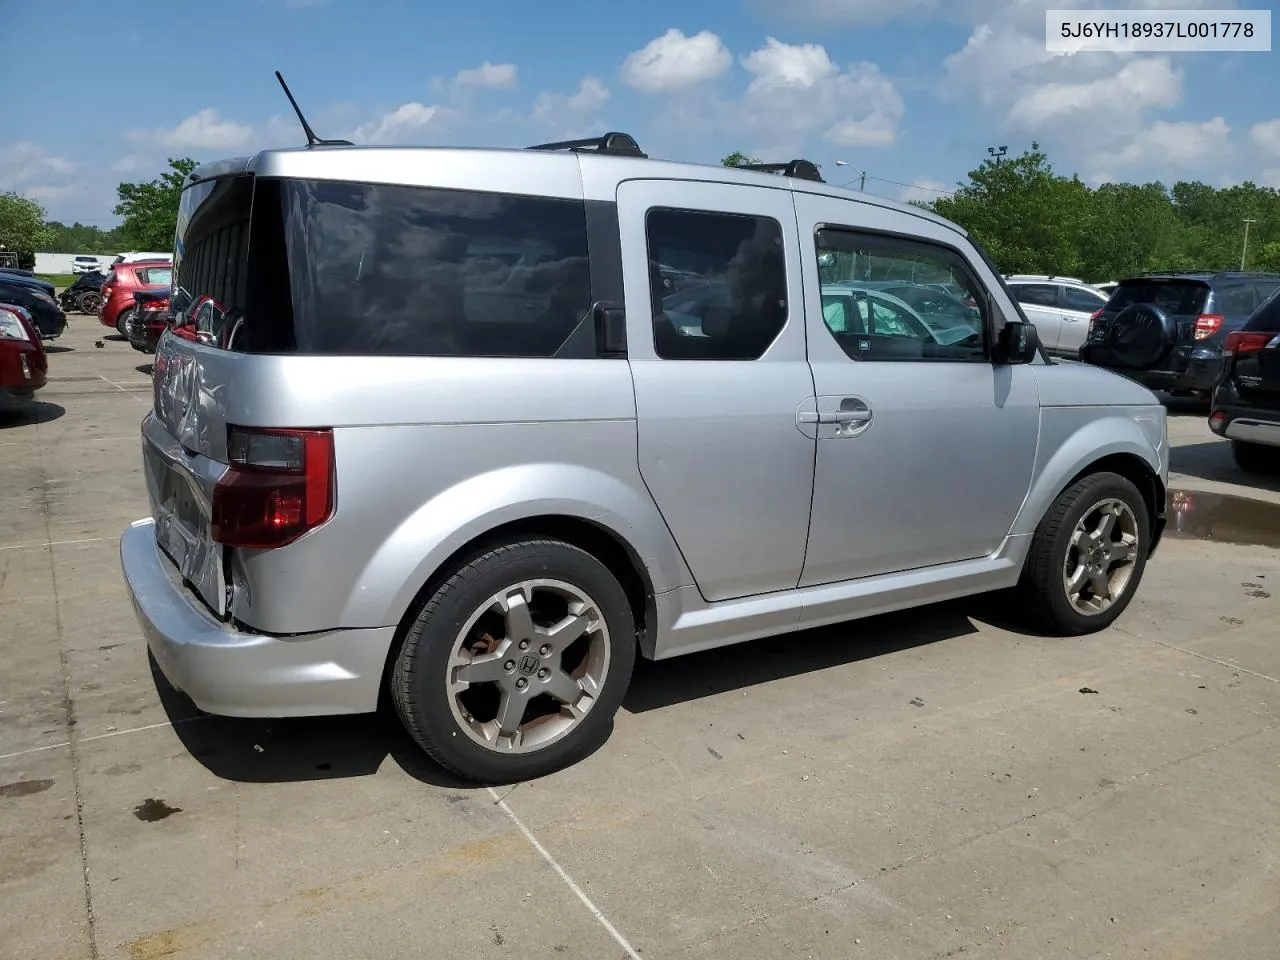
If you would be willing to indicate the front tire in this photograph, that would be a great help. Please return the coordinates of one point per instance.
(1087, 556)
(517, 663)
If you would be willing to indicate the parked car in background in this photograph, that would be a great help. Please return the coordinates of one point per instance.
(150, 318)
(123, 282)
(24, 366)
(493, 550)
(1246, 398)
(137, 257)
(28, 278)
(84, 294)
(1168, 330)
(1108, 288)
(86, 264)
(46, 315)
(1060, 307)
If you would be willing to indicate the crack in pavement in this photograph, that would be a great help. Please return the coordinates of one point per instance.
(73, 738)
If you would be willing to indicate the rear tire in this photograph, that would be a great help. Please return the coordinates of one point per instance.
(487, 686)
(1255, 457)
(1083, 570)
(122, 322)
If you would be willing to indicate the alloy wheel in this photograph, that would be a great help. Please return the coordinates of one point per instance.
(1102, 556)
(528, 665)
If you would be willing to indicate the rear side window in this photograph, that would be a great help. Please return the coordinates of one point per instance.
(1037, 294)
(1236, 301)
(1267, 318)
(718, 284)
(155, 276)
(1177, 297)
(1086, 301)
(343, 268)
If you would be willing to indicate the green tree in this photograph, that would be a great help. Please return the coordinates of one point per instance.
(150, 209)
(22, 228)
(1267, 259)
(82, 238)
(1027, 217)
(738, 159)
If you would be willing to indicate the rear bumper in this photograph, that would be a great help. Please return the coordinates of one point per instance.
(1247, 424)
(239, 674)
(1200, 375)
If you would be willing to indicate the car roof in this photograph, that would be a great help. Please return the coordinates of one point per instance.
(1045, 278)
(1203, 276)
(551, 172)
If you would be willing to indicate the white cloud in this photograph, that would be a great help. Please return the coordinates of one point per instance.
(406, 119)
(674, 61)
(45, 192)
(591, 95)
(1018, 13)
(1138, 86)
(1267, 136)
(203, 130)
(797, 91)
(1185, 144)
(924, 191)
(25, 162)
(133, 163)
(496, 76)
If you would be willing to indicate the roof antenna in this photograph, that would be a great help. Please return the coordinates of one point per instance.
(312, 139)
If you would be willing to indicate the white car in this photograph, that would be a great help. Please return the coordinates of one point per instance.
(87, 264)
(1060, 307)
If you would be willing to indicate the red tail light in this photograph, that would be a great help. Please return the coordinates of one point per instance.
(1093, 320)
(1247, 342)
(1207, 325)
(280, 485)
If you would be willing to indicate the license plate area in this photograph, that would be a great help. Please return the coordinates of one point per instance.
(179, 486)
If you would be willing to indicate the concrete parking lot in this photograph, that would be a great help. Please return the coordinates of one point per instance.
(926, 785)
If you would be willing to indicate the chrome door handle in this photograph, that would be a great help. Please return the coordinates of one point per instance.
(845, 416)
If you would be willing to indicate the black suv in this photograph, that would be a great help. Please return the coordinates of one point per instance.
(1246, 401)
(1167, 330)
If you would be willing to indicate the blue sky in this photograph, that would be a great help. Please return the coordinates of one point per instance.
(912, 91)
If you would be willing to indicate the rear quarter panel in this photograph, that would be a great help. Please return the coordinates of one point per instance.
(435, 453)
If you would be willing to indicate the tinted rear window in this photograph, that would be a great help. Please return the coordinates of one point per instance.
(352, 268)
(1177, 297)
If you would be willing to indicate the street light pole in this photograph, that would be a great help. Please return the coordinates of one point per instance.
(997, 154)
(862, 174)
(1245, 249)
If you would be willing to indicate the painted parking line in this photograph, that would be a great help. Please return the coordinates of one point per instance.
(100, 736)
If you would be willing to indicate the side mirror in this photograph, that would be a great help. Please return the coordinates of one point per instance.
(1018, 343)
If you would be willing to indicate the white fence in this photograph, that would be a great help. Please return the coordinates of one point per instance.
(61, 262)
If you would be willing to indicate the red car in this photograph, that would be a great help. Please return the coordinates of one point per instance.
(123, 281)
(23, 365)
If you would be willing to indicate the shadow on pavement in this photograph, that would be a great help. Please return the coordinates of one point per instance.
(322, 748)
(663, 683)
(51, 348)
(146, 369)
(1212, 460)
(291, 750)
(30, 414)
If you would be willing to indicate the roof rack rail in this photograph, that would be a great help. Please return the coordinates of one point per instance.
(797, 169)
(613, 143)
